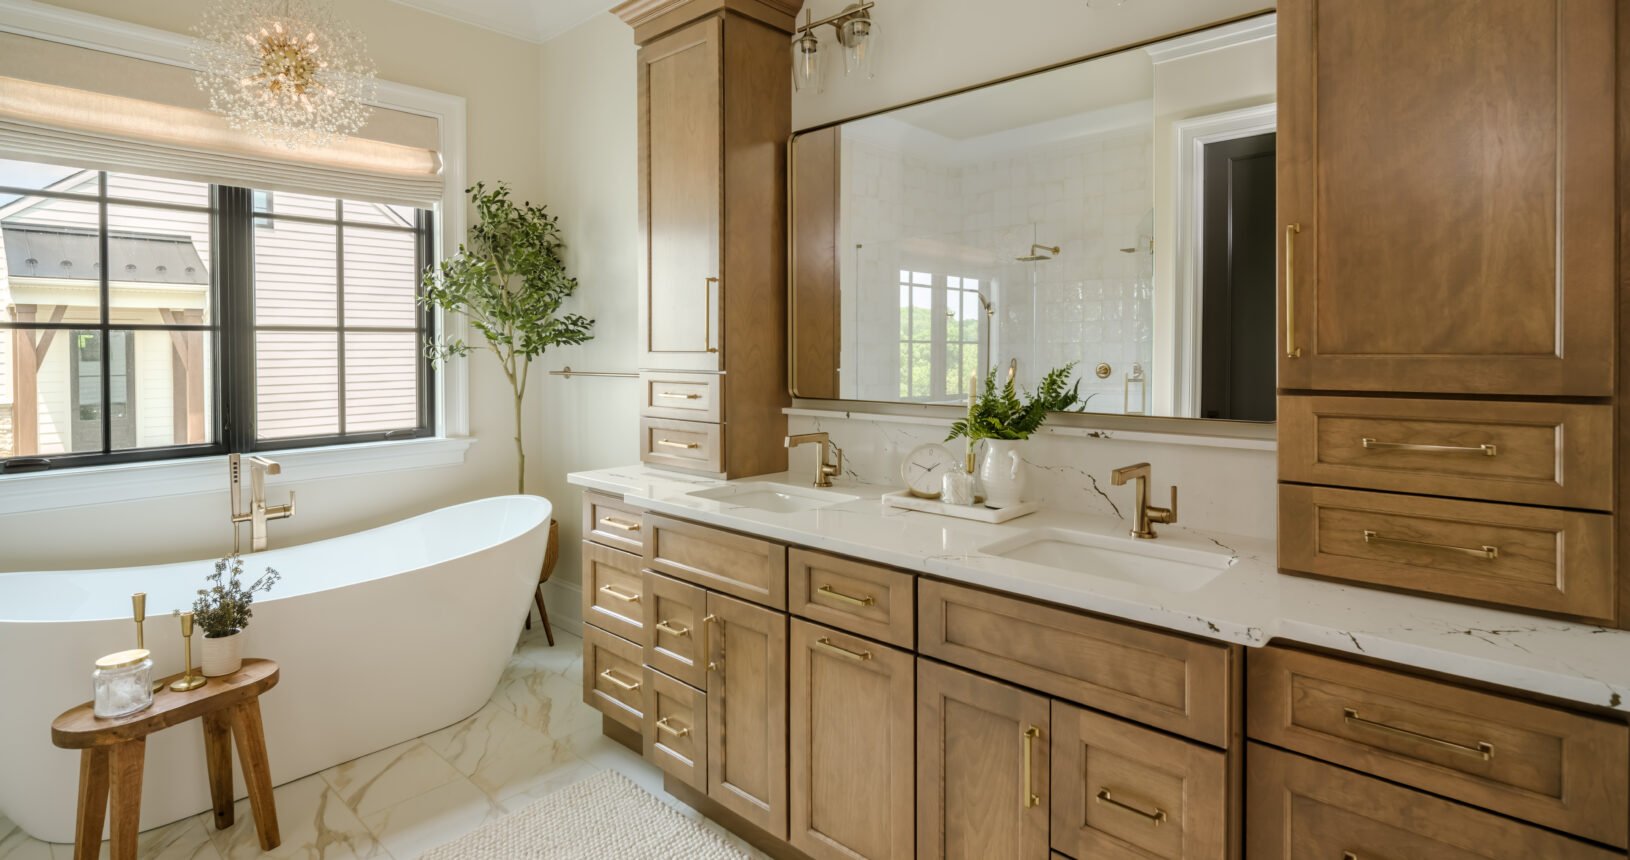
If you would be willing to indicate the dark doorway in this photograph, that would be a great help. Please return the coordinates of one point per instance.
(86, 358)
(1237, 359)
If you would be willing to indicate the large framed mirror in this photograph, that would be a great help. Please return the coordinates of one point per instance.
(1116, 212)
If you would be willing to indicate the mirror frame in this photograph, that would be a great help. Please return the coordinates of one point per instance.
(1218, 428)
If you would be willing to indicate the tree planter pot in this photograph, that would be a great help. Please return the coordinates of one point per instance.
(223, 655)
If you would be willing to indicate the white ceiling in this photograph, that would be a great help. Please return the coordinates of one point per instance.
(532, 20)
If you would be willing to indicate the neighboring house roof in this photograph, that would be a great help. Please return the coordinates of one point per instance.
(71, 253)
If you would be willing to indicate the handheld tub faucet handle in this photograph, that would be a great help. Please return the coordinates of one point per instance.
(259, 512)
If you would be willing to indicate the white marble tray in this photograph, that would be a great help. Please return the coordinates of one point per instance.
(979, 513)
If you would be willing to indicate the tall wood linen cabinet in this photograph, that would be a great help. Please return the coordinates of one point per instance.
(714, 118)
(1450, 201)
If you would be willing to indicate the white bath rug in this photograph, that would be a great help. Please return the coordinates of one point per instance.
(603, 817)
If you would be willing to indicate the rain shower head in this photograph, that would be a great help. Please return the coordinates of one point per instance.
(1035, 255)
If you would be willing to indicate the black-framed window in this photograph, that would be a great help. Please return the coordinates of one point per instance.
(147, 318)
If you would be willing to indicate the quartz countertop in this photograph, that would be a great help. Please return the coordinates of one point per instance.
(1250, 603)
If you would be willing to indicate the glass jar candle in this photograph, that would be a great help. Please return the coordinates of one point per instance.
(123, 683)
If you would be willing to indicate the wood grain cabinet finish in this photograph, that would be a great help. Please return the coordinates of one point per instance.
(674, 639)
(747, 712)
(983, 773)
(1163, 680)
(681, 396)
(613, 678)
(1557, 454)
(691, 446)
(1537, 763)
(1456, 207)
(738, 565)
(1301, 809)
(1532, 558)
(613, 591)
(858, 597)
(1124, 791)
(674, 728)
(853, 751)
(609, 521)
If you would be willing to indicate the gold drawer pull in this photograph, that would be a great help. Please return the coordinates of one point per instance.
(1483, 750)
(673, 629)
(829, 591)
(611, 676)
(676, 731)
(1031, 799)
(841, 651)
(674, 395)
(707, 654)
(1485, 449)
(1348, 855)
(707, 314)
(1291, 349)
(622, 594)
(620, 525)
(669, 443)
(1156, 818)
(1485, 552)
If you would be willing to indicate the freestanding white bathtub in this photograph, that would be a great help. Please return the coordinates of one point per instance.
(382, 636)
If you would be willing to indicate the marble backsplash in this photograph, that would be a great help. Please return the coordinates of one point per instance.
(1225, 485)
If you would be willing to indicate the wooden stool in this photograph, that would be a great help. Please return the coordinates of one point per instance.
(112, 752)
(550, 557)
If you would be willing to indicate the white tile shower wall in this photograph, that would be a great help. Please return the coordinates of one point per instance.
(1224, 489)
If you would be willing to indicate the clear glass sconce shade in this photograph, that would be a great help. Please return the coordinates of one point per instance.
(806, 63)
(859, 47)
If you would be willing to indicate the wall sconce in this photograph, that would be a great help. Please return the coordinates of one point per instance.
(856, 35)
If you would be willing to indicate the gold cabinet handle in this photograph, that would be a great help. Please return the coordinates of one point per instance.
(1156, 818)
(826, 644)
(622, 594)
(829, 591)
(1031, 799)
(1485, 449)
(669, 443)
(672, 629)
(665, 725)
(707, 654)
(620, 525)
(611, 676)
(707, 314)
(1485, 551)
(1291, 349)
(674, 395)
(1483, 750)
(1348, 855)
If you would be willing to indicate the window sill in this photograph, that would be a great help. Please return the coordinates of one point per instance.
(99, 485)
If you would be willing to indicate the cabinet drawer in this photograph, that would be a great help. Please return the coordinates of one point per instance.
(1542, 764)
(612, 676)
(861, 598)
(611, 522)
(1298, 808)
(1121, 790)
(1533, 558)
(682, 396)
(1165, 681)
(1557, 454)
(613, 591)
(673, 640)
(689, 445)
(675, 728)
(737, 565)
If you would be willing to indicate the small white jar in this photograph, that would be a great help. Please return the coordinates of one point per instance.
(123, 683)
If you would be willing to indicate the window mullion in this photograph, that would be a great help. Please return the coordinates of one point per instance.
(104, 331)
(234, 272)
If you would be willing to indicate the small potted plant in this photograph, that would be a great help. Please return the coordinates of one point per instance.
(223, 610)
(1005, 418)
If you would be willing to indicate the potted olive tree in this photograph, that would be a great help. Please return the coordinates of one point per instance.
(223, 610)
(1004, 417)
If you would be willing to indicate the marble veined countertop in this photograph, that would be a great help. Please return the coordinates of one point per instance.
(1250, 603)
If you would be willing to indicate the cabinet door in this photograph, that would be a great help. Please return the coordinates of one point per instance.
(681, 171)
(747, 711)
(982, 767)
(852, 748)
(1449, 165)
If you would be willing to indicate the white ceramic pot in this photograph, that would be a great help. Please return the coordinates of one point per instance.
(1003, 472)
(223, 655)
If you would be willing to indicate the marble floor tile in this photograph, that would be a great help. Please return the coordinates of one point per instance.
(17, 845)
(498, 753)
(390, 776)
(313, 820)
(436, 817)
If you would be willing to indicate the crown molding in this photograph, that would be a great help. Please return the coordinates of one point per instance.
(651, 18)
(1216, 39)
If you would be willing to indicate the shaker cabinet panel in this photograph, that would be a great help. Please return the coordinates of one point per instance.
(747, 711)
(1444, 181)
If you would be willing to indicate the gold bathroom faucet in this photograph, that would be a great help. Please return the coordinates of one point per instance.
(1144, 515)
(824, 471)
(259, 513)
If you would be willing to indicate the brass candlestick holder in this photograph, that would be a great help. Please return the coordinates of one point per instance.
(187, 681)
(138, 606)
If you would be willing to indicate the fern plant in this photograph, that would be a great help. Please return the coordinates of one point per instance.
(1011, 413)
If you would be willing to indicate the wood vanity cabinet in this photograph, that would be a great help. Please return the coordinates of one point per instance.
(714, 117)
(747, 711)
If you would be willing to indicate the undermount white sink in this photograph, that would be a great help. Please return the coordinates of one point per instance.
(1145, 562)
(772, 497)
